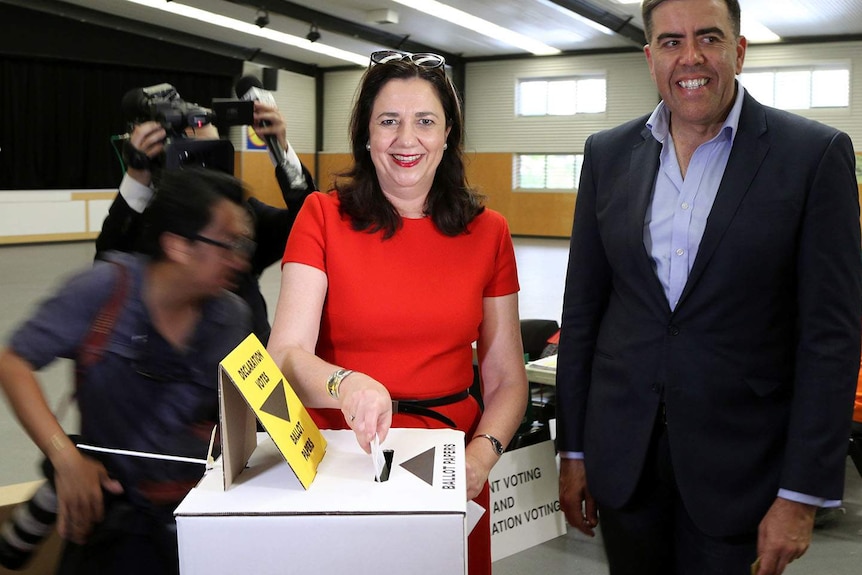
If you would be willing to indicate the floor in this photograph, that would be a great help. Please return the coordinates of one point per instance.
(31, 272)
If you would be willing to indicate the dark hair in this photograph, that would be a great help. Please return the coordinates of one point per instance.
(650, 5)
(183, 203)
(451, 203)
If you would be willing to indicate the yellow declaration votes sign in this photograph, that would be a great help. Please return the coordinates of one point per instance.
(267, 392)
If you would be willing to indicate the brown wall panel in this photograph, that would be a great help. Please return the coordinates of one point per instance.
(528, 213)
(329, 165)
(258, 173)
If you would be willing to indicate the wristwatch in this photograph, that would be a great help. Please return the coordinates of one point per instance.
(333, 384)
(498, 447)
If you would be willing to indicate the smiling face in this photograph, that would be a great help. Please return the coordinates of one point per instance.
(407, 131)
(694, 57)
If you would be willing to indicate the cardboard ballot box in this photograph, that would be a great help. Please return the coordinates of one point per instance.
(345, 522)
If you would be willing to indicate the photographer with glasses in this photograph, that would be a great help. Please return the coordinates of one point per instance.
(389, 279)
(147, 332)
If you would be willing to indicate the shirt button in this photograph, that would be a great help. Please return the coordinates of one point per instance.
(680, 251)
(684, 205)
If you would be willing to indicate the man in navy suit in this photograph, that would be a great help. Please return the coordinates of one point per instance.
(711, 320)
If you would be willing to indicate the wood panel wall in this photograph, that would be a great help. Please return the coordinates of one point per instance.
(528, 213)
(255, 169)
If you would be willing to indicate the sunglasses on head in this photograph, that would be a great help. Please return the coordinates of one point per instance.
(423, 59)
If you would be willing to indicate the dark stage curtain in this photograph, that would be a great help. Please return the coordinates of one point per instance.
(62, 80)
(57, 119)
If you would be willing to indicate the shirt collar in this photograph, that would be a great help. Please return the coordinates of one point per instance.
(659, 121)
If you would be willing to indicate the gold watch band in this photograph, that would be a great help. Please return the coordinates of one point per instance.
(333, 384)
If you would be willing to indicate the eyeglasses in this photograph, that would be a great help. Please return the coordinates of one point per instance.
(240, 245)
(423, 59)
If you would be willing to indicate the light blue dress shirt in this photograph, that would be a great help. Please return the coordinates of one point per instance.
(677, 214)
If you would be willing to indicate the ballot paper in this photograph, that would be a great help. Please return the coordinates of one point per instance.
(377, 457)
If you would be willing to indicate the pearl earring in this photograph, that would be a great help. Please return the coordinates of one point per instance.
(445, 146)
(368, 146)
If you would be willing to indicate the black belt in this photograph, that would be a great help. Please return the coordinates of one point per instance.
(423, 406)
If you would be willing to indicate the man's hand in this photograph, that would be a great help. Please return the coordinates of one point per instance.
(79, 482)
(575, 499)
(147, 138)
(275, 125)
(784, 535)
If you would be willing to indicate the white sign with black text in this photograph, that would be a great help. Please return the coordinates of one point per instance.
(525, 505)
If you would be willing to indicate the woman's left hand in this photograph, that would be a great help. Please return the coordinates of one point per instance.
(479, 460)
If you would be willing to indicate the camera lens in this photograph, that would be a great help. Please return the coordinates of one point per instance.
(27, 526)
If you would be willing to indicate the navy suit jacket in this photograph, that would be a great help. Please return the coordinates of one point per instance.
(757, 364)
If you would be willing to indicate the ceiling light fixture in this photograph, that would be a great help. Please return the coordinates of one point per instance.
(313, 33)
(249, 28)
(583, 20)
(753, 30)
(756, 32)
(476, 24)
(262, 19)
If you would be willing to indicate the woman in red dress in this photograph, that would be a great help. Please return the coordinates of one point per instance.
(389, 279)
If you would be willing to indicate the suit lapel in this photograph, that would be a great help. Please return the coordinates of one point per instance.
(749, 148)
(642, 174)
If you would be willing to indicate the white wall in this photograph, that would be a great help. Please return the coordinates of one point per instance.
(49, 215)
(296, 101)
(340, 90)
(489, 107)
(846, 119)
(491, 124)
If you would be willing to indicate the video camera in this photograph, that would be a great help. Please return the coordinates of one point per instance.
(162, 103)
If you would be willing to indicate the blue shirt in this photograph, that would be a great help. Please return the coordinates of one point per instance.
(677, 215)
(142, 394)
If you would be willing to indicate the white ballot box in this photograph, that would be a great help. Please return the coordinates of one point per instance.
(345, 522)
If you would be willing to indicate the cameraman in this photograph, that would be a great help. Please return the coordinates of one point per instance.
(122, 226)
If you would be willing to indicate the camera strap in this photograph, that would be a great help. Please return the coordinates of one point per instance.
(93, 345)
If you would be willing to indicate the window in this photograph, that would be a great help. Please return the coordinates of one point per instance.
(547, 172)
(800, 88)
(561, 96)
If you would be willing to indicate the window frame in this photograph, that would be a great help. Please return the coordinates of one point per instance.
(577, 161)
(559, 80)
(810, 69)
